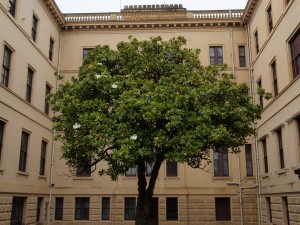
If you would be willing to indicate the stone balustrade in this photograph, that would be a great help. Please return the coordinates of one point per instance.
(100, 17)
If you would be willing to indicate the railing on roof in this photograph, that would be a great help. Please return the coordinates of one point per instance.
(218, 14)
(204, 14)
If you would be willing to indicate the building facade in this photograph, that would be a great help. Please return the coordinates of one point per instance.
(260, 45)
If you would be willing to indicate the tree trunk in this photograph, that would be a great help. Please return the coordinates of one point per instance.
(145, 193)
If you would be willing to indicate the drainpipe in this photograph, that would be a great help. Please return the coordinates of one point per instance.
(240, 189)
(232, 50)
(51, 184)
(252, 91)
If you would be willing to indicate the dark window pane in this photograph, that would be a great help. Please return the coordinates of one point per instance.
(29, 85)
(172, 209)
(34, 27)
(59, 206)
(249, 163)
(221, 164)
(131, 172)
(275, 82)
(39, 208)
(298, 124)
(43, 158)
(242, 56)
(172, 169)
(47, 92)
(149, 168)
(83, 168)
(265, 155)
(269, 209)
(17, 211)
(82, 208)
(270, 19)
(12, 7)
(23, 151)
(295, 52)
(2, 124)
(129, 209)
(6, 66)
(105, 208)
(256, 42)
(223, 209)
(261, 102)
(216, 55)
(280, 146)
(85, 52)
(51, 46)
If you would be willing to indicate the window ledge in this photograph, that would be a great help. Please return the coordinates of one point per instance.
(296, 167)
(172, 178)
(266, 175)
(42, 177)
(282, 171)
(1, 170)
(222, 178)
(82, 178)
(21, 173)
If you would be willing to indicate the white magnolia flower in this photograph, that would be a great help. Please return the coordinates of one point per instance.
(98, 76)
(100, 64)
(133, 137)
(114, 86)
(159, 43)
(76, 126)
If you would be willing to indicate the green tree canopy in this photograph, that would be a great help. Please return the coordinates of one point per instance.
(146, 102)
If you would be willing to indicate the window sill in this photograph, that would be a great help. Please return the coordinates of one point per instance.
(266, 175)
(21, 173)
(82, 178)
(41, 177)
(282, 171)
(222, 178)
(1, 171)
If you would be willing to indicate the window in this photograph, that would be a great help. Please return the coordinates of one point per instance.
(2, 124)
(129, 209)
(12, 7)
(280, 148)
(249, 163)
(39, 208)
(17, 211)
(82, 208)
(51, 46)
(171, 169)
(43, 158)
(59, 207)
(298, 124)
(221, 166)
(34, 27)
(295, 52)
(86, 52)
(265, 155)
(29, 85)
(105, 208)
(131, 172)
(23, 151)
(242, 56)
(223, 209)
(6, 66)
(285, 211)
(269, 209)
(83, 168)
(172, 209)
(149, 168)
(216, 55)
(256, 42)
(274, 75)
(261, 99)
(270, 19)
(48, 91)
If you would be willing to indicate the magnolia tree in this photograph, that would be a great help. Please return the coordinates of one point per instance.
(147, 102)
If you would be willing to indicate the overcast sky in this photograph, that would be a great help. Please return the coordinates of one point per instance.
(81, 6)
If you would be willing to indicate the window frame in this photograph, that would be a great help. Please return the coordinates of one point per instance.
(47, 92)
(242, 58)
(256, 43)
(6, 65)
(85, 52)
(30, 73)
(269, 209)
(59, 208)
(172, 209)
(39, 208)
(12, 7)
(223, 207)
(129, 208)
(51, 48)
(265, 155)
(280, 148)
(215, 57)
(2, 130)
(82, 208)
(171, 169)
(220, 166)
(34, 27)
(23, 151)
(270, 18)
(43, 157)
(285, 210)
(261, 98)
(294, 43)
(249, 160)
(274, 77)
(82, 170)
(131, 172)
(18, 207)
(105, 209)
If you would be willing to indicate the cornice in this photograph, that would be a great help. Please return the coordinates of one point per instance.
(55, 12)
(249, 10)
